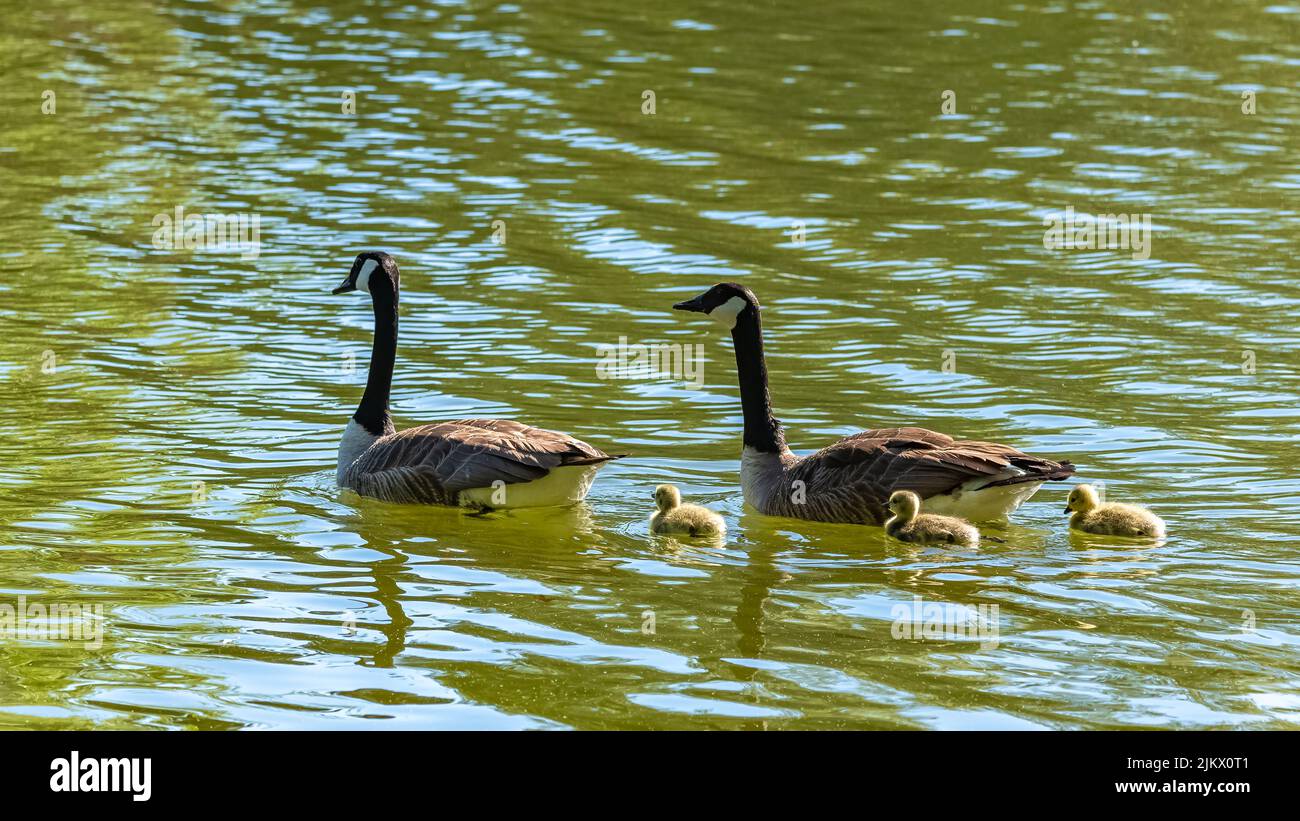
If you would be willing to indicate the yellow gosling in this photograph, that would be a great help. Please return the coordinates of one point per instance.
(909, 524)
(688, 520)
(1110, 519)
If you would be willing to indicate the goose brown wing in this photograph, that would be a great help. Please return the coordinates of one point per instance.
(867, 467)
(433, 463)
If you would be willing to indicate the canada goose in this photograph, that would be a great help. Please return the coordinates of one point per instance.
(483, 463)
(909, 524)
(675, 517)
(1110, 519)
(851, 480)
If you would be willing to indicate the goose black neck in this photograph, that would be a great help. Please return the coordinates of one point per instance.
(762, 431)
(372, 413)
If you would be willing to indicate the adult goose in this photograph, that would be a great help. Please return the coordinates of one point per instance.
(482, 463)
(851, 480)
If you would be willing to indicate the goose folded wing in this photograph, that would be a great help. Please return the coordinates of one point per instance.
(445, 458)
(876, 463)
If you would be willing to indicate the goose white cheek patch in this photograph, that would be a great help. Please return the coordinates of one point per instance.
(727, 312)
(363, 278)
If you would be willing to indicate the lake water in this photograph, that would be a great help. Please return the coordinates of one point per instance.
(172, 415)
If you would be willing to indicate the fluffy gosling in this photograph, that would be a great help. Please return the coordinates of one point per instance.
(1110, 519)
(675, 517)
(908, 524)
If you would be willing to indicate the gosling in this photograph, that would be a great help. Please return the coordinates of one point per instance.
(675, 517)
(908, 524)
(1110, 519)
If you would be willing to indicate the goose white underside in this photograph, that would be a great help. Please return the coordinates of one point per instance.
(980, 504)
(562, 486)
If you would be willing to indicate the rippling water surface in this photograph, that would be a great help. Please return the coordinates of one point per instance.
(171, 417)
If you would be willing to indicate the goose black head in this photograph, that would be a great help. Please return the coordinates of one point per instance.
(373, 272)
(725, 302)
